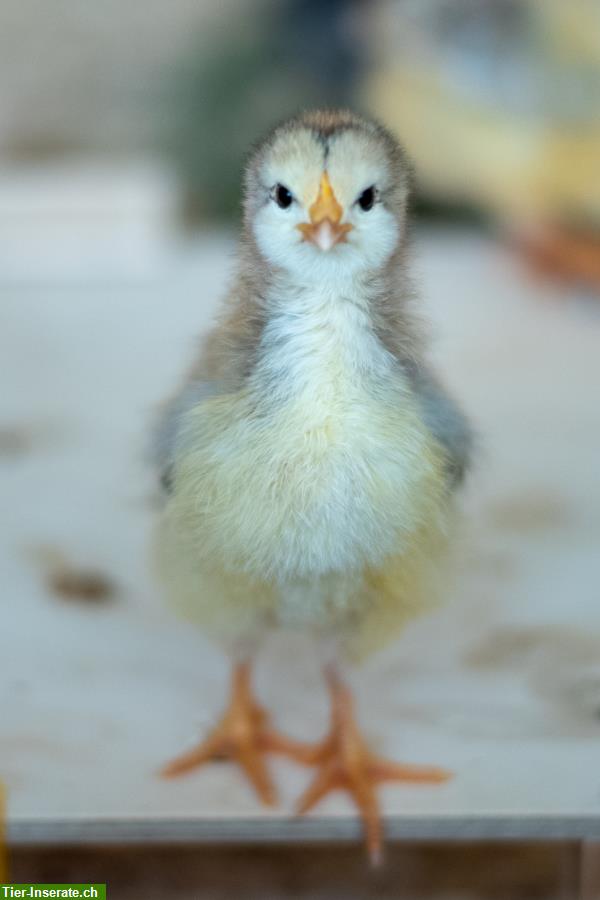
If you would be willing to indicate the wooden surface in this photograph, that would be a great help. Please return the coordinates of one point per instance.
(501, 684)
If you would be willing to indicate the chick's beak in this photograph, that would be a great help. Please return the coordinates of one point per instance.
(325, 228)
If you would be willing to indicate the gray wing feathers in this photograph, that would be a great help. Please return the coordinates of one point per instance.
(165, 436)
(445, 420)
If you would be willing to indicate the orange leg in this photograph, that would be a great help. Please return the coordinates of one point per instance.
(242, 735)
(346, 763)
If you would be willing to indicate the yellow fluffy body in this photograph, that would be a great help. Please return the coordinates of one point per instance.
(314, 496)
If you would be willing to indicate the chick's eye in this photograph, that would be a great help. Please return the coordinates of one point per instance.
(367, 199)
(283, 197)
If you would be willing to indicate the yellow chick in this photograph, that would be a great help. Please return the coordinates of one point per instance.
(311, 457)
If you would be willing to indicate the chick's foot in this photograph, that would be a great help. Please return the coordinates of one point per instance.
(242, 735)
(345, 763)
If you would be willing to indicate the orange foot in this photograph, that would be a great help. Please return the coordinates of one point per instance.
(242, 735)
(346, 763)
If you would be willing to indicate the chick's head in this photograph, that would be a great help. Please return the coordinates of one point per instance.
(326, 195)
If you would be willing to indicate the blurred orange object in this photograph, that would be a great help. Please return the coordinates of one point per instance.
(558, 252)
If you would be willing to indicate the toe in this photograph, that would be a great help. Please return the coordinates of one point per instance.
(362, 790)
(209, 749)
(253, 764)
(386, 770)
(300, 752)
(327, 779)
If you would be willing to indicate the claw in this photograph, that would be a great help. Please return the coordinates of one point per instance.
(242, 736)
(346, 763)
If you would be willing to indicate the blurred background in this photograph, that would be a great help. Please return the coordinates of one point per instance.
(496, 100)
(123, 130)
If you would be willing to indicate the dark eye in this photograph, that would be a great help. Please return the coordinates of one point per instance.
(283, 197)
(367, 199)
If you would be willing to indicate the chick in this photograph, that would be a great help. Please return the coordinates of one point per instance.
(311, 457)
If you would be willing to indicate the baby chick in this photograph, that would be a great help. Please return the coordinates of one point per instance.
(311, 457)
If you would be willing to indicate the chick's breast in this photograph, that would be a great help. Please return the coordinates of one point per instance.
(285, 502)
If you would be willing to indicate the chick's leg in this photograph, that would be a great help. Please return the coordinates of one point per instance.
(345, 763)
(242, 735)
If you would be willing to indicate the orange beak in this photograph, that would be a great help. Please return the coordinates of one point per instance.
(325, 229)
